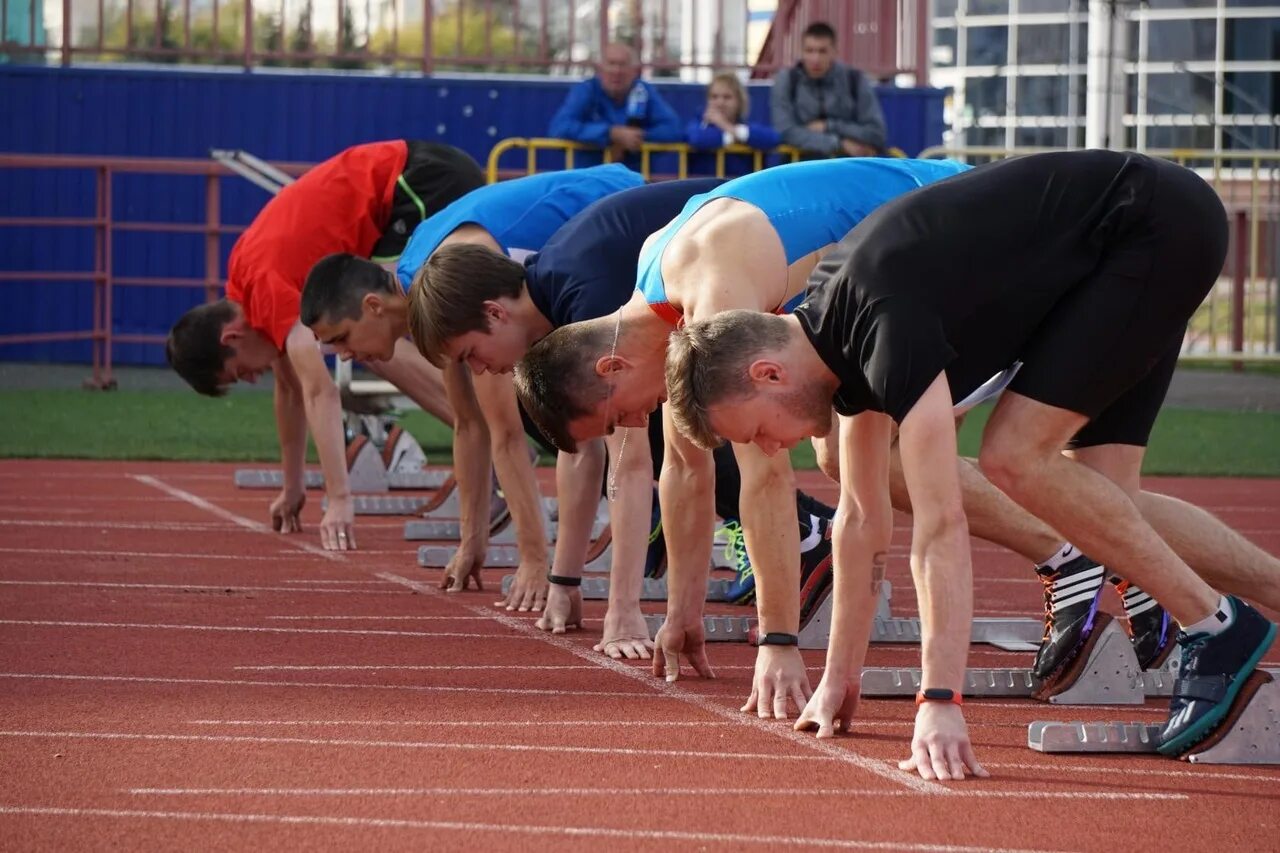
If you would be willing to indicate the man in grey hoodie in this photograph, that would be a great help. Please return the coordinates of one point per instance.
(823, 107)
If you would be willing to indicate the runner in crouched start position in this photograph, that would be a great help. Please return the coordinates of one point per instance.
(357, 307)
(365, 201)
(1085, 267)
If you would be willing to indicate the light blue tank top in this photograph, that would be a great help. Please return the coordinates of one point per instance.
(521, 214)
(808, 204)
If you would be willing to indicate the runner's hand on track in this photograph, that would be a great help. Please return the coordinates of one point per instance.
(626, 635)
(779, 676)
(286, 511)
(463, 568)
(674, 640)
(831, 707)
(563, 609)
(940, 748)
(529, 590)
(338, 527)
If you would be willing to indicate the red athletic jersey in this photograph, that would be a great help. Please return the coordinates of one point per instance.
(341, 205)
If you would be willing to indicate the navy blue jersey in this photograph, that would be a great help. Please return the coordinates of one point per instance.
(588, 267)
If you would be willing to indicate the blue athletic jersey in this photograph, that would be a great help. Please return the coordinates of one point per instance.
(521, 214)
(587, 268)
(809, 205)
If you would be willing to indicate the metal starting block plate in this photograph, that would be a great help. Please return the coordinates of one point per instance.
(1110, 676)
(1250, 737)
(496, 557)
(1017, 635)
(421, 480)
(452, 531)
(388, 505)
(1092, 737)
(253, 478)
(651, 589)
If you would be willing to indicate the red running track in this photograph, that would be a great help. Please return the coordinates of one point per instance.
(173, 674)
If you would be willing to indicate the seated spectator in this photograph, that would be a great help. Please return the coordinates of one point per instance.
(724, 121)
(615, 108)
(824, 108)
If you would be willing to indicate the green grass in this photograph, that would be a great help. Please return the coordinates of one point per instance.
(74, 424)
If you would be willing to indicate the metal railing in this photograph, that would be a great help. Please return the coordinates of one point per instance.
(104, 225)
(881, 36)
(1239, 318)
(567, 150)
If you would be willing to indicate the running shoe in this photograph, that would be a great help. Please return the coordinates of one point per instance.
(815, 566)
(655, 558)
(1148, 624)
(742, 589)
(1071, 594)
(1214, 667)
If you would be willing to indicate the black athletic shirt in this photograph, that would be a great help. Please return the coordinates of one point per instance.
(955, 275)
(588, 267)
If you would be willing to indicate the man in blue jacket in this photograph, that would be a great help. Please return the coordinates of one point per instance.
(615, 108)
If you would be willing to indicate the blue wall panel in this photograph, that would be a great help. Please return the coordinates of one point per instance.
(277, 115)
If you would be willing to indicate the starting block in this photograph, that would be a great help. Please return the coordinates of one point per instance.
(651, 589)
(400, 464)
(598, 555)
(452, 530)
(1007, 634)
(1250, 733)
(1106, 672)
(252, 478)
(813, 634)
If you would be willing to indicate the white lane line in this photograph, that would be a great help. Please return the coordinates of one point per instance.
(105, 552)
(412, 668)
(122, 525)
(675, 691)
(162, 626)
(240, 520)
(423, 618)
(1145, 770)
(353, 582)
(231, 587)
(458, 723)
(434, 745)
(235, 682)
(511, 828)
(981, 793)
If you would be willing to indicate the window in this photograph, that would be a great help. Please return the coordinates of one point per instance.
(1251, 92)
(944, 8)
(1180, 137)
(1182, 4)
(1171, 94)
(1042, 96)
(944, 47)
(984, 137)
(1044, 44)
(1181, 41)
(1250, 138)
(1063, 6)
(986, 96)
(1040, 137)
(987, 46)
(1252, 39)
(989, 7)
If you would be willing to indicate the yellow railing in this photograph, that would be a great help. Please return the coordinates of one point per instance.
(1239, 318)
(569, 149)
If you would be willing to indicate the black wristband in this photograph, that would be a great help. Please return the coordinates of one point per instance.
(561, 580)
(777, 638)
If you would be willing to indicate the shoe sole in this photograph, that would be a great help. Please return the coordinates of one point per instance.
(1204, 726)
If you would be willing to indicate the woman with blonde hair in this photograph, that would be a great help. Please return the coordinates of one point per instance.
(724, 121)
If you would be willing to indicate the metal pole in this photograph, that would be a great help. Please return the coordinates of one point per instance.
(1238, 285)
(248, 35)
(212, 219)
(66, 31)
